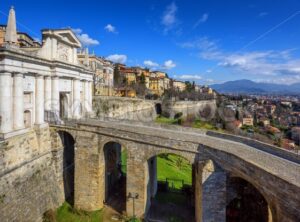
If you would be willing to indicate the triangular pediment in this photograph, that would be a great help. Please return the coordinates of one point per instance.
(68, 35)
(65, 35)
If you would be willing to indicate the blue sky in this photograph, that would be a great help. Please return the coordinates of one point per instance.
(209, 41)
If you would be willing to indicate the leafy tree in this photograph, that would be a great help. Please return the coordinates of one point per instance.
(117, 76)
(143, 79)
(179, 163)
(188, 86)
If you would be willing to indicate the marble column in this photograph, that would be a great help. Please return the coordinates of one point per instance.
(48, 93)
(55, 95)
(18, 101)
(39, 100)
(86, 97)
(6, 106)
(90, 101)
(76, 106)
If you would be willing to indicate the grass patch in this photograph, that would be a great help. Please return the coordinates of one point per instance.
(194, 124)
(165, 120)
(174, 167)
(124, 161)
(66, 213)
(203, 125)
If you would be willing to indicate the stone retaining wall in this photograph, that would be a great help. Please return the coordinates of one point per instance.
(171, 108)
(124, 108)
(29, 181)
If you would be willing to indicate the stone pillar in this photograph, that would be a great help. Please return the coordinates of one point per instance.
(6, 106)
(76, 106)
(137, 183)
(39, 100)
(210, 193)
(55, 95)
(153, 176)
(18, 101)
(198, 191)
(214, 197)
(89, 176)
(48, 93)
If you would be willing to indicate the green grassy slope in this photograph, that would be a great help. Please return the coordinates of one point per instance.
(169, 167)
(67, 214)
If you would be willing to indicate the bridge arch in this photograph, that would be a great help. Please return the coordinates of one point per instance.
(245, 202)
(68, 165)
(159, 187)
(190, 156)
(115, 166)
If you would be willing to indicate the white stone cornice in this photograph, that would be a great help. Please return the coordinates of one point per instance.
(3, 72)
(39, 76)
(17, 74)
(52, 64)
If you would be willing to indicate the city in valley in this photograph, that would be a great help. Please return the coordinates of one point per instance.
(155, 111)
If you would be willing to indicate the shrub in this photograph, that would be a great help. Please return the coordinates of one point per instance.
(49, 216)
(178, 115)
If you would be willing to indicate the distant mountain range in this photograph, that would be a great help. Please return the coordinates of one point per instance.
(249, 87)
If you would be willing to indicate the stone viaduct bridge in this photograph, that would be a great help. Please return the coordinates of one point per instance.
(217, 160)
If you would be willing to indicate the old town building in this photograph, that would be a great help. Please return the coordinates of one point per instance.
(23, 39)
(296, 135)
(247, 120)
(103, 70)
(178, 85)
(41, 82)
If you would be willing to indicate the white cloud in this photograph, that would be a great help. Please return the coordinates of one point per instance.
(77, 31)
(207, 48)
(203, 19)
(116, 58)
(150, 64)
(169, 19)
(203, 44)
(268, 63)
(190, 77)
(280, 66)
(169, 64)
(37, 39)
(263, 14)
(110, 28)
(84, 38)
(281, 80)
(209, 81)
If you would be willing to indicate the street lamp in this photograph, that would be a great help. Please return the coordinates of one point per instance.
(133, 196)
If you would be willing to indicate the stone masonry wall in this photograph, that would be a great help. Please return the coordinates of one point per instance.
(172, 108)
(124, 108)
(29, 183)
